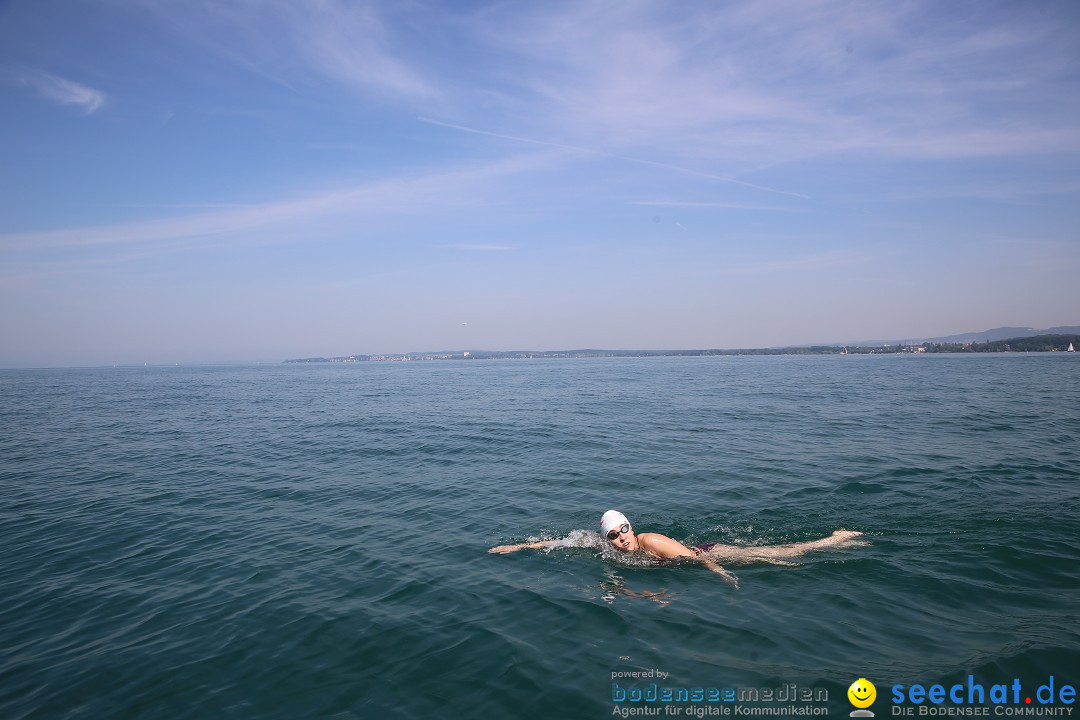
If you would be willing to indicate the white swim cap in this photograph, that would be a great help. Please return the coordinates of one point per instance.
(612, 519)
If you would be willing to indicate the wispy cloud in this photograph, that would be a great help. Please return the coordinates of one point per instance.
(330, 37)
(709, 204)
(722, 91)
(427, 193)
(753, 85)
(294, 43)
(187, 206)
(61, 90)
(594, 151)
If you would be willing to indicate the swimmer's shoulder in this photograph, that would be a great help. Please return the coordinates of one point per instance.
(662, 546)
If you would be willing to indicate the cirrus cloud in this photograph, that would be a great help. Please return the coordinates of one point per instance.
(62, 90)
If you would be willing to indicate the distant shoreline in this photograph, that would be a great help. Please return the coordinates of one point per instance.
(1036, 343)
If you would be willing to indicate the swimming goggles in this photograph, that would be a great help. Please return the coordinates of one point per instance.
(612, 534)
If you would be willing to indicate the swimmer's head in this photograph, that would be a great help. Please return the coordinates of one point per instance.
(611, 520)
(616, 528)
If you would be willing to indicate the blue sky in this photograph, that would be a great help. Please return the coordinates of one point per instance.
(204, 181)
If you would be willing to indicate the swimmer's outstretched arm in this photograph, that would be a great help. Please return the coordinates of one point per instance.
(503, 549)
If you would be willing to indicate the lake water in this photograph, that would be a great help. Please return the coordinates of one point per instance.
(310, 541)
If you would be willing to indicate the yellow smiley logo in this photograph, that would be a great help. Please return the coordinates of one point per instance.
(862, 693)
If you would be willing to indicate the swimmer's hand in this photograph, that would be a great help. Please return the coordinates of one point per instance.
(729, 578)
(504, 549)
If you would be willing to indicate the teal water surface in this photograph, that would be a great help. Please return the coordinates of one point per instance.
(310, 541)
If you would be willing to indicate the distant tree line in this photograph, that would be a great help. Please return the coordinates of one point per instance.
(1037, 343)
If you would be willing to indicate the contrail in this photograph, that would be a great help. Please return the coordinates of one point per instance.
(627, 158)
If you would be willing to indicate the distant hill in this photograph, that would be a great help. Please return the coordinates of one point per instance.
(1004, 333)
(1035, 343)
(1001, 333)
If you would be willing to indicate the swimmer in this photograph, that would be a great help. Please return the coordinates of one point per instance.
(617, 529)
